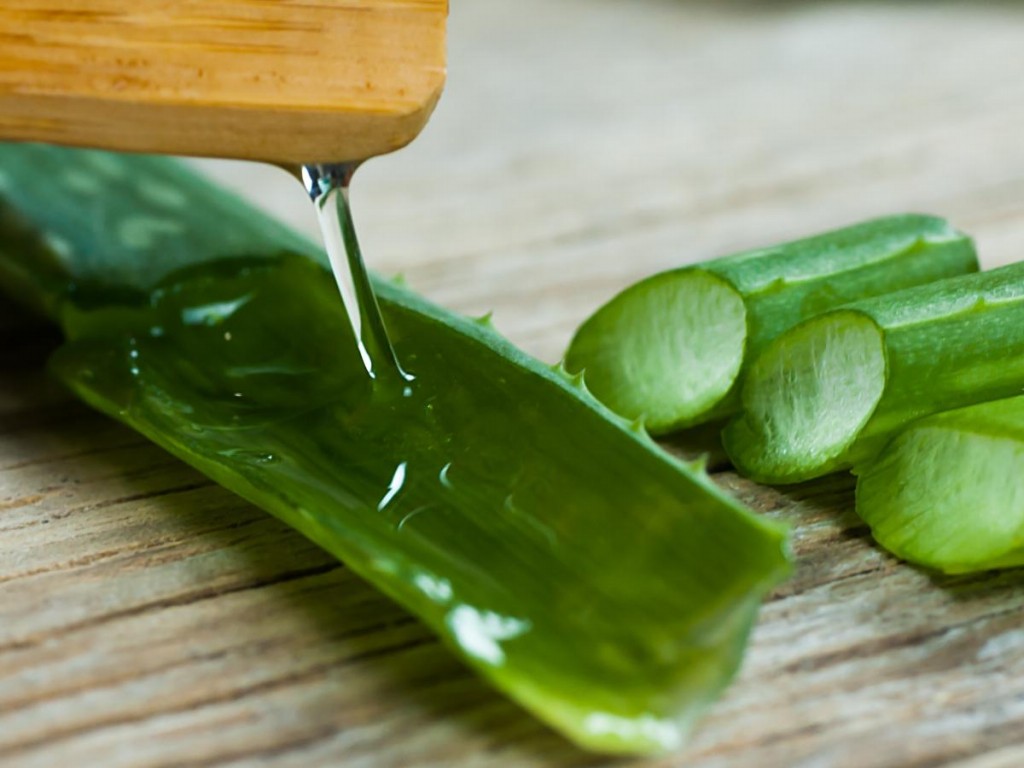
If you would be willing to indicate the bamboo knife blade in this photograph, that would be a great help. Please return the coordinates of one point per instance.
(286, 81)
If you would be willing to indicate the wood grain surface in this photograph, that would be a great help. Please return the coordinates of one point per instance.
(149, 618)
(290, 82)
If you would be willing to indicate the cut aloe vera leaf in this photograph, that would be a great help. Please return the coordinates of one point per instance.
(832, 391)
(605, 586)
(948, 492)
(672, 349)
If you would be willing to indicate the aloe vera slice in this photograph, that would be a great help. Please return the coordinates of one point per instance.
(672, 349)
(832, 391)
(948, 491)
(605, 586)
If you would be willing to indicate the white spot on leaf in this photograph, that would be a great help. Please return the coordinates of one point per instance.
(394, 487)
(480, 633)
(646, 727)
(143, 231)
(438, 590)
(60, 247)
(162, 195)
(105, 164)
(212, 315)
(82, 183)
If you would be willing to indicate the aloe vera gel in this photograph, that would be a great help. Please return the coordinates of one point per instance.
(948, 492)
(833, 391)
(605, 586)
(672, 349)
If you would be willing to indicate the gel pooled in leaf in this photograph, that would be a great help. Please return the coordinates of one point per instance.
(605, 586)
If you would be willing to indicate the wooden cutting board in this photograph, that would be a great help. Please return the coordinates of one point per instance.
(149, 618)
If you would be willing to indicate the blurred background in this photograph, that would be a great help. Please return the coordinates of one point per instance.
(582, 144)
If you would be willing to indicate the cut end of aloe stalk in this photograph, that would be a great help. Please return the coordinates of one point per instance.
(948, 493)
(652, 353)
(807, 398)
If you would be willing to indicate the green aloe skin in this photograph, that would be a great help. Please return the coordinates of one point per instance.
(948, 492)
(604, 585)
(833, 391)
(673, 349)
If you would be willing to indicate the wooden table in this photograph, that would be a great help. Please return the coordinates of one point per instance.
(148, 617)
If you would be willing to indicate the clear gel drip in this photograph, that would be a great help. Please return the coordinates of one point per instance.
(328, 188)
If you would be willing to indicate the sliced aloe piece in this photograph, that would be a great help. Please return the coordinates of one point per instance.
(948, 492)
(671, 349)
(832, 391)
(605, 586)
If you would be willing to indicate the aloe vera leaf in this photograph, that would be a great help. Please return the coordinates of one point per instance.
(673, 348)
(832, 391)
(948, 492)
(605, 586)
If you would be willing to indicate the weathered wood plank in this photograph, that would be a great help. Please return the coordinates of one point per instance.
(149, 618)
